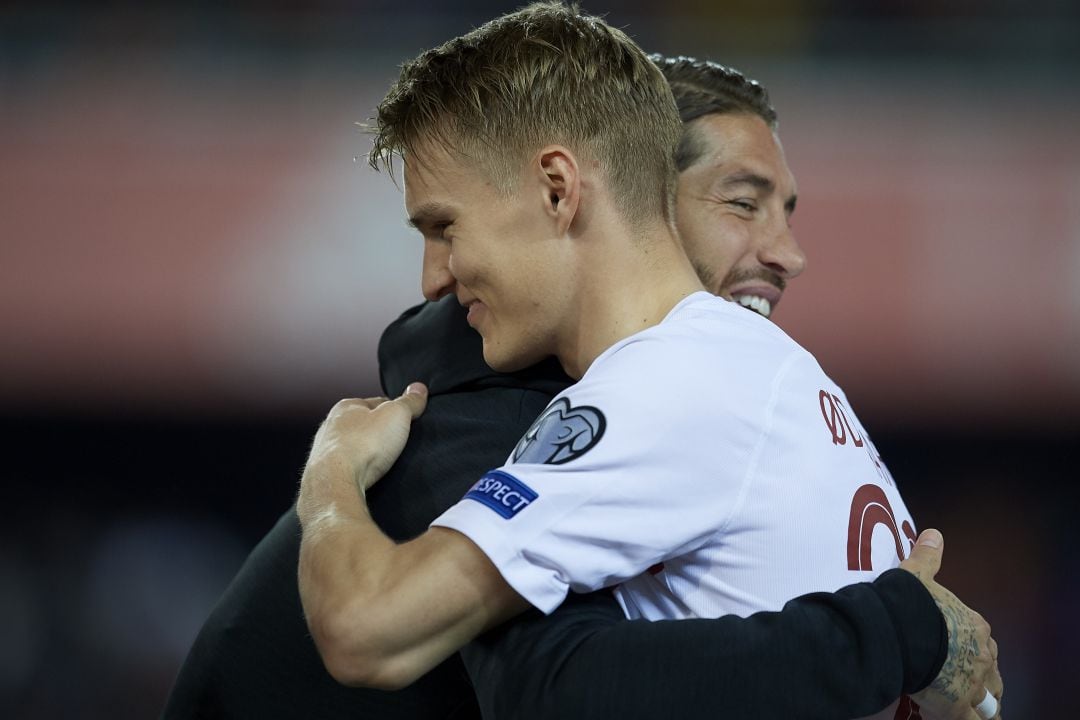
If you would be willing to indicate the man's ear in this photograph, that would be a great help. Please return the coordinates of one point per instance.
(560, 181)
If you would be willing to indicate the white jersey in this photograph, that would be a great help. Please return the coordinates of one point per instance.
(705, 466)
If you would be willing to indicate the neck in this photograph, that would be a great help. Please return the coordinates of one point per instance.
(628, 283)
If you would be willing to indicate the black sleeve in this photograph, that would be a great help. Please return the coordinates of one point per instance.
(825, 655)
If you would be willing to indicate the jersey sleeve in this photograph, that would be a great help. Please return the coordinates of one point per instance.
(644, 459)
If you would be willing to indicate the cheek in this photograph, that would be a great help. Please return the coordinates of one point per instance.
(463, 262)
(732, 239)
(719, 243)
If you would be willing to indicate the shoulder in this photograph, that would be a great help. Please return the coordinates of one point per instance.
(711, 368)
(431, 342)
(704, 338)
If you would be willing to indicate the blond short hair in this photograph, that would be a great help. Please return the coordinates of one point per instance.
(547, 73)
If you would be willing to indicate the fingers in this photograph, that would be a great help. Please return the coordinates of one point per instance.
(415, 398)
(987, 689)
(348, 405)
(925, 557)
(977, 712)
(987, 708)
(412, 402)
(994, 683)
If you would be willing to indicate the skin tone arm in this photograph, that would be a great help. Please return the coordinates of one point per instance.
(383, 613)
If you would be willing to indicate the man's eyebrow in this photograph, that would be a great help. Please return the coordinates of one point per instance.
(745, 177)
(427, 215)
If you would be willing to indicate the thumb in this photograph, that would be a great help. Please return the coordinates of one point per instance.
(925, 557)
(415, 398)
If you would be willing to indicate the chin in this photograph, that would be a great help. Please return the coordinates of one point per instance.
(500, 363)
(505, 360)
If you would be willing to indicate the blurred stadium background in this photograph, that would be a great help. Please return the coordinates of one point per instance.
(196, 262)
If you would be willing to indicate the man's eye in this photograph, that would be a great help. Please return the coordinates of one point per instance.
(743, 205)
(437, 231)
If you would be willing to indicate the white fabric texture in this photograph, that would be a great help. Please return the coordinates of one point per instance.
(727, 474)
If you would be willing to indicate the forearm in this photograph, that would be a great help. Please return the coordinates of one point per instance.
(383, 613)
(824, 656)
(339, 576)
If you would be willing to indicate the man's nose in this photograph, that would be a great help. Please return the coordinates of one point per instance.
(782, 254)
(436, 279)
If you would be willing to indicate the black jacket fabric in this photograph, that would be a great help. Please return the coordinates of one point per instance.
(824, 656)
(254, 658)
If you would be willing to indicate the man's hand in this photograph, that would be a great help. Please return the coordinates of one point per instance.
(971, 666)
(366, 435)
(383, 613)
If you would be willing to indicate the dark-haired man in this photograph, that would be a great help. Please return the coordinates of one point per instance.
(558, 244)
(735, 193)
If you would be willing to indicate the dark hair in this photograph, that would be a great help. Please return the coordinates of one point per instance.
(703, 87)
(546, 73)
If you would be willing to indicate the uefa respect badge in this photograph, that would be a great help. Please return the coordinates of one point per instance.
(503, 493)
